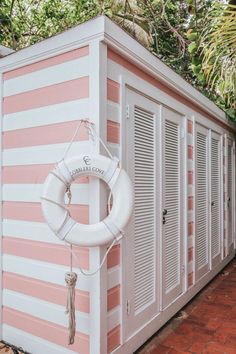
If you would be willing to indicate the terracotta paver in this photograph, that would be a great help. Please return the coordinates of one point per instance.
(6, 349)
(207, 325)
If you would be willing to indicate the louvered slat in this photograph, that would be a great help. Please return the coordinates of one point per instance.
(144, 214)
(172, 195)
(215, 197)
(201, 201)
(230, 195)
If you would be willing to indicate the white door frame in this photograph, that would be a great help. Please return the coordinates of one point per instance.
(181, 120)
(206, 268)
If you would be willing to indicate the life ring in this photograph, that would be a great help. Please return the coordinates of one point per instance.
(58, 217)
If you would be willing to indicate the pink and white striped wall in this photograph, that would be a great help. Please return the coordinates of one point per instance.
(42, 103)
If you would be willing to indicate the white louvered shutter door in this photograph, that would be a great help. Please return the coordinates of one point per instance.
(230, 195)
(141, 252)
(216, 191)
(201, 219)
(172, 235)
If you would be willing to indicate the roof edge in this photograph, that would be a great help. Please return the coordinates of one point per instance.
(4, 51)
(59, 43)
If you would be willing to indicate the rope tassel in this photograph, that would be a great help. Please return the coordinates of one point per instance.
(71, 278)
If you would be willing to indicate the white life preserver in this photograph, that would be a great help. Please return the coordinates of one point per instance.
(58, 217)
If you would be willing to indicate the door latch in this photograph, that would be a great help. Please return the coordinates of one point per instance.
(164, 213)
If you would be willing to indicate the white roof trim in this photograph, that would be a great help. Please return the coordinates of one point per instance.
(71, 39)
(5, 51)
(103, 29)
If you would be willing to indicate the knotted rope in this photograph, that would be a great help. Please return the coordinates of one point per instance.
(71, 278)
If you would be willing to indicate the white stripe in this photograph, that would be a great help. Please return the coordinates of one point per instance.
(30, 343)
(43, 154)
(33, 193)
(51, 272)
(35, 231)
(114, 149)
(191, 215)
(190, 190)
(114, 318)
(190, 138)
(113, 111)
(44, 271)
(53, 75)
(190, 267)
(58, 113)
(190, 165)
(190, 241)
(44, 310)
(114, 70)
(113, 277)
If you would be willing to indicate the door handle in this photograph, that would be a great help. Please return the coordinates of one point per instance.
(164, 213)
(228, 202)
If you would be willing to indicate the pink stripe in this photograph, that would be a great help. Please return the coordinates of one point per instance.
(44, 329)
(46, 63)
(190, 127)
(190, 228)
(113, 297)
(190, 254)
(113, 339)
(113, 132)
(47, 134)
(46, 291)
(143, 75)
(33, 212)
(113, 258)
(190, 203)
(190, 152)
(63, 92)
(30, 174)
(45, 252)
(190, 279)
(113, 91)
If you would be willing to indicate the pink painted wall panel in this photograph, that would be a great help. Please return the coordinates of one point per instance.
(45, 329)
(113, 297)
(113, 258)
(113, 91)
(113, 132)
(46, 96)
(113, 339)
(45, 252)
(43, 135)
(46, 291)
(46, 63)
(30, 174)
(50, 253)
(32, 212)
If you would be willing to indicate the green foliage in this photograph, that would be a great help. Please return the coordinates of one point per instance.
(218, 50)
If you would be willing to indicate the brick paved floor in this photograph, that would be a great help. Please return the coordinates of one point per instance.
(206, 325)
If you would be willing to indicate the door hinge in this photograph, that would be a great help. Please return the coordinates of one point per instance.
(127, 112)
(128, 307)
